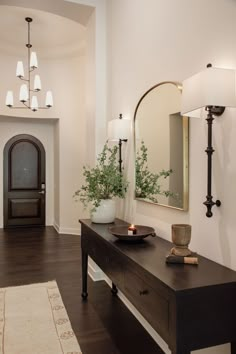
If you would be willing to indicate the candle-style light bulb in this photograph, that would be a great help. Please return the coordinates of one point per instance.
(24, 96)
(34, 104)
(33, 60)
(37, 83)
(9, 99)
(49, 99)
(19, 69)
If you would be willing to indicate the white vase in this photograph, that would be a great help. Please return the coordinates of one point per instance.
(105, 213)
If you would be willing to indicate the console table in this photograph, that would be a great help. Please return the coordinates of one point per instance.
(191, 307)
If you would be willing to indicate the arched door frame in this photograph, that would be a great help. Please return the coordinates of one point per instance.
(24, 205)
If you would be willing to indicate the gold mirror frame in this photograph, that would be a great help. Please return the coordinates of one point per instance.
(185, 127)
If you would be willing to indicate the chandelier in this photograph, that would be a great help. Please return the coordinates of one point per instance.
(26, 94)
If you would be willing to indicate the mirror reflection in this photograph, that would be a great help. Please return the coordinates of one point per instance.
(161, 147)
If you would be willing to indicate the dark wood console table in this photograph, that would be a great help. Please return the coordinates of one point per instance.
(191, 307)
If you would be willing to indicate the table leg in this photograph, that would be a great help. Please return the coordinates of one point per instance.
(114, 289)
(233, 347)
(84, 274)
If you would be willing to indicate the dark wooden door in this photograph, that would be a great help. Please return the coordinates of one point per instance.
(24, 182)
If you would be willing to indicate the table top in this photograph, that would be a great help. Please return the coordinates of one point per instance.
(150, 254)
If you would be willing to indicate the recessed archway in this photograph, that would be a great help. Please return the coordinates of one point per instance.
(87, 106)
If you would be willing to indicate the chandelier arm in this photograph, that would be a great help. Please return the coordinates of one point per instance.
(27, 107)
(15, 107)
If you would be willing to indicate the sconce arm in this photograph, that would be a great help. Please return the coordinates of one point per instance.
(120, 153)
(209, 203)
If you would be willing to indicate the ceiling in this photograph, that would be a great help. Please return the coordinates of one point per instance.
(54, 35)
(76, 12)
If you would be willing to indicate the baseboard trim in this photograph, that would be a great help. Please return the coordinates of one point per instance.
(56, 227)
(67, 231)
(70, 231)
(95, 273)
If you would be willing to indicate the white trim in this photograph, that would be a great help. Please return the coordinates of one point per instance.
(56, 227)
(95, 272)
(67, 230)
(92, 3)
(70, 231)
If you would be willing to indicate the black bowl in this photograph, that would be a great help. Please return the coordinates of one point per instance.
(121, 232)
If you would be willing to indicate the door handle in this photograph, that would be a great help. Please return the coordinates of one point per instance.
(42, 192)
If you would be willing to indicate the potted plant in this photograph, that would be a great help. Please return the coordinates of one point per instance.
(148, 183)
(102, 183)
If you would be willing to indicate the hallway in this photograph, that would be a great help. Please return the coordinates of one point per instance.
(102, 325)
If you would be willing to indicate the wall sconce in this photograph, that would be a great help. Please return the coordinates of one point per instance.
(212, 89)
(119, 130)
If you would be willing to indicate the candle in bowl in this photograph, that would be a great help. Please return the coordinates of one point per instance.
(132, 230)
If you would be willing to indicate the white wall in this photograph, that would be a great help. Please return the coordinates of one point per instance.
(90, 95)
(154, 41)
(96, 76)
(97, 50)
(72, 138)
(56, 166)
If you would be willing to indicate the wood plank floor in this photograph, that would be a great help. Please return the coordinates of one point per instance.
(102, 324)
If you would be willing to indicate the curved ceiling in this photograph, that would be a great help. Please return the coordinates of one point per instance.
(76, 12)
(51, 35)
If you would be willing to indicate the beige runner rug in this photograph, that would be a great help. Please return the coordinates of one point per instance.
(33, 320)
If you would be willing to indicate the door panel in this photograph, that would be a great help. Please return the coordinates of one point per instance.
(24, 165)
(24, 208)
(24, 182)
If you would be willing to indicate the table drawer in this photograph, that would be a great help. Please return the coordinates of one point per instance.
(151, 304)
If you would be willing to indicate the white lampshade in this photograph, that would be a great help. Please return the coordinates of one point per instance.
(34, 103)
(49, 99)
(19, 69)
(211, 87)
(33, 60)
(37, 83)
(119, 129)
(9, 99)
(24, 96)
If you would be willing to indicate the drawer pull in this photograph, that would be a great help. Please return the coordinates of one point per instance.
(143, 292)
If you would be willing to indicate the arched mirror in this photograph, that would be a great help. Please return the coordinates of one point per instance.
(161, 147)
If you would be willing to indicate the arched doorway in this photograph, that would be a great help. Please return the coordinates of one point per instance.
(63, 57)
(24, 182)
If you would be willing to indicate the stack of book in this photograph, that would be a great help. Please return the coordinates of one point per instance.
(191, 259)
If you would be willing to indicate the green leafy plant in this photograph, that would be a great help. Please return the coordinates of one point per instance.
(104, 181)
(148, 184)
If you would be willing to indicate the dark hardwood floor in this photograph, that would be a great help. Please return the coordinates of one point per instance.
(102, 324)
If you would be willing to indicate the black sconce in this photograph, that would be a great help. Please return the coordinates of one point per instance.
(211, 90)
(118, 130)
